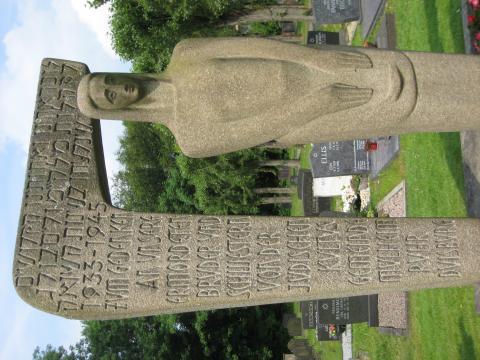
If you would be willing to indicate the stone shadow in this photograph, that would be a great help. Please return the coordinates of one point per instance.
(467, 347)
(454, 159)
(432, 26)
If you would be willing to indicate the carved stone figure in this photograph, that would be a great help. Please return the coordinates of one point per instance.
(80, 257)
(222, 95)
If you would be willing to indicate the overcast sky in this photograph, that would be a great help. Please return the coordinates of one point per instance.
(31, 30)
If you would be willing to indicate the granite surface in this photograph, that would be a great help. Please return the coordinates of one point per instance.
(78, 256)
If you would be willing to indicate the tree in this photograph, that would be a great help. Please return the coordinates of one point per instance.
(230, 334)
(146, 31)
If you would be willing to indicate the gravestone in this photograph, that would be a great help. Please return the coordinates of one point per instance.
(337, 158)
(335, 11)
(349, 310)
(312, 206)
(309, 314)
(325, 38)
(79, 257)
(329, 332)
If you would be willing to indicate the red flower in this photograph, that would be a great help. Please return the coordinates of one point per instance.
(477, 36)
(474, 3)
(471, 19)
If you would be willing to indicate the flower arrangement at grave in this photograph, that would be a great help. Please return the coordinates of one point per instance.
(474, 24)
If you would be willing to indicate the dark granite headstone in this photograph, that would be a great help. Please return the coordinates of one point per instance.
(323, 38)
(335, 11)
(337, 158)
(288, 27)
(349, 310)
(328, 332)
(309, 314)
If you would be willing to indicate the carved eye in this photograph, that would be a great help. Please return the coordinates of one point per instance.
(111, 96)
(109, 80)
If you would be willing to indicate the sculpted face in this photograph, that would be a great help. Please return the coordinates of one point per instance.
(114, 91)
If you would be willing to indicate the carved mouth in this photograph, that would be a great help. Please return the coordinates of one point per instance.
(398, 83)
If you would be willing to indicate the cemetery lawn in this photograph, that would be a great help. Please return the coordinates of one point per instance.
(442, 322)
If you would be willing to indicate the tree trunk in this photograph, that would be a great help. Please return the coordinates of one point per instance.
(276, 200)
(276, 190)
(274, 13)
(287, 163)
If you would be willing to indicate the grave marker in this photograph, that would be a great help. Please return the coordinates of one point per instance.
(78, 256)
(335, 11)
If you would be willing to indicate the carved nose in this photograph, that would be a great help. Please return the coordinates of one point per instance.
(130, 88)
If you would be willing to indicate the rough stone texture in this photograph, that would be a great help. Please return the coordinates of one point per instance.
(78, 256)
(225, 94)
(392, 307)
(392, 310)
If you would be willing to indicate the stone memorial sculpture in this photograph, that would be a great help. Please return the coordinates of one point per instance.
(80, 257)
(223, 95)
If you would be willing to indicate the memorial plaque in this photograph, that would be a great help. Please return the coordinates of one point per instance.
(335, 11)
(323, 38)
(309, 314)
(328, 332)
(349, 310)
(337, 158)
(79, 257)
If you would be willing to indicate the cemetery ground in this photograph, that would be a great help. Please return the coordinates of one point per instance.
(442, 322)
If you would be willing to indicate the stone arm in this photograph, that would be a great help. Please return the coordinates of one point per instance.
(329, 59)
(220, 138)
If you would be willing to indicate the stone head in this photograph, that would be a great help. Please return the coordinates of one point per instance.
(106, 94)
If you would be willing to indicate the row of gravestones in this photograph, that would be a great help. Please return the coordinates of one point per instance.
(329, 316)
(342, 11)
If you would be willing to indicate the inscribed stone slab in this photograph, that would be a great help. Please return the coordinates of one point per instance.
(78, 256)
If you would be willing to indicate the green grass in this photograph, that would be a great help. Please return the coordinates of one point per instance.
(305, 156)
(443, 324)
(328, 350)
(387, 180)
(434, 175)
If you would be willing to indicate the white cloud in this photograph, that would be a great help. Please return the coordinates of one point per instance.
(43, 28)
(62, 29)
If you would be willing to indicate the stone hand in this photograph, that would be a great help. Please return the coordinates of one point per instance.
(352, 59)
